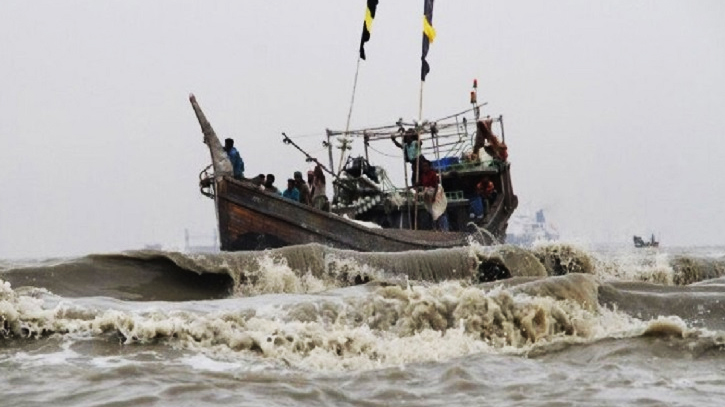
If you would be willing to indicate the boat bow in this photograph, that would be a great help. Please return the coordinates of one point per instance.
(220, 160)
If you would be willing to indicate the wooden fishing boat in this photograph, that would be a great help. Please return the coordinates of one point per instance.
(250, 218)
(471, 197)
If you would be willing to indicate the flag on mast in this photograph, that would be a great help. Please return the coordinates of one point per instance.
(367, 25)
(429, 34)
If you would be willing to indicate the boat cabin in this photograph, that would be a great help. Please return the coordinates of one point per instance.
(477, 186)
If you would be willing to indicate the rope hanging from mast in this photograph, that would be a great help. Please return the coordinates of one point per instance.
(349, 115)
(370, 10)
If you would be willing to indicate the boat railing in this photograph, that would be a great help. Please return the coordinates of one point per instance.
(454, 195)
(446, 136)
(455, 165)
(449, 141)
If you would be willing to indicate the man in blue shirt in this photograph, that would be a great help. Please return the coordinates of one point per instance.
(291, 192)
(235, 158)
(411, 151)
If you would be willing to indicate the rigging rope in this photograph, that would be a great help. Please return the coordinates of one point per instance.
(385, 154)
(317, 134)
(371, 130)
(349, 113)
(352, 99)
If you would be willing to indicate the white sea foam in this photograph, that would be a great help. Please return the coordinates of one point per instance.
(59, 357)
(274, 275)
(387, 326)
(203, 362)
(647, 266)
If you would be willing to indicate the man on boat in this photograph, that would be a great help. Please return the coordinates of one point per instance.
(269, 184)
(311, 181)
(291, 192)
(258, 181)
(319, 195)
(304, 189)
(411, 150)
(488, 193)
(235, 158)
(477, 208)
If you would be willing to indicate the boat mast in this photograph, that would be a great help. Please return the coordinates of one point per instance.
(370, 9)
(328, 144)
(366, 143)
(474, 101)
(429, 34)
(500, 122)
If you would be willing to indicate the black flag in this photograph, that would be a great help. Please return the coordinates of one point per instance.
(367, 25)
(429, 34)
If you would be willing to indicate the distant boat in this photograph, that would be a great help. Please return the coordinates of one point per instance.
(640, 243)
(524, 229)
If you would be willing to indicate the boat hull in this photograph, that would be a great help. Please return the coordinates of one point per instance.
(252, 219)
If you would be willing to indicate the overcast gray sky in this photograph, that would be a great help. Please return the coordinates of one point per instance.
(614, 110)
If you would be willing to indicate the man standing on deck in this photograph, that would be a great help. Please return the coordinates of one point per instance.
(411, 151)
(301, 185)
(311, 182)
(269, 184)
(319, 195)
(235, 158)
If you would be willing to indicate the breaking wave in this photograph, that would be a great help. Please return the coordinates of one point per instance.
(369, 328)
(140, 275)
(315, 307)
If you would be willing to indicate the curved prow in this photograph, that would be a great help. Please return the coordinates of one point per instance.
(220, 160)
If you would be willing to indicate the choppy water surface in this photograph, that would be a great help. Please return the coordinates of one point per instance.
(312, 325)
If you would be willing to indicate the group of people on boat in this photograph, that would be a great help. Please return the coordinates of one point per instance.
(311, 192)
(424, 177)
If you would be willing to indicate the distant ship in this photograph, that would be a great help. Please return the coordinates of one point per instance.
(524, 229)
(639, 242)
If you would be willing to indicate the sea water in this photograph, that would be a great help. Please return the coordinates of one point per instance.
(311, 325)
